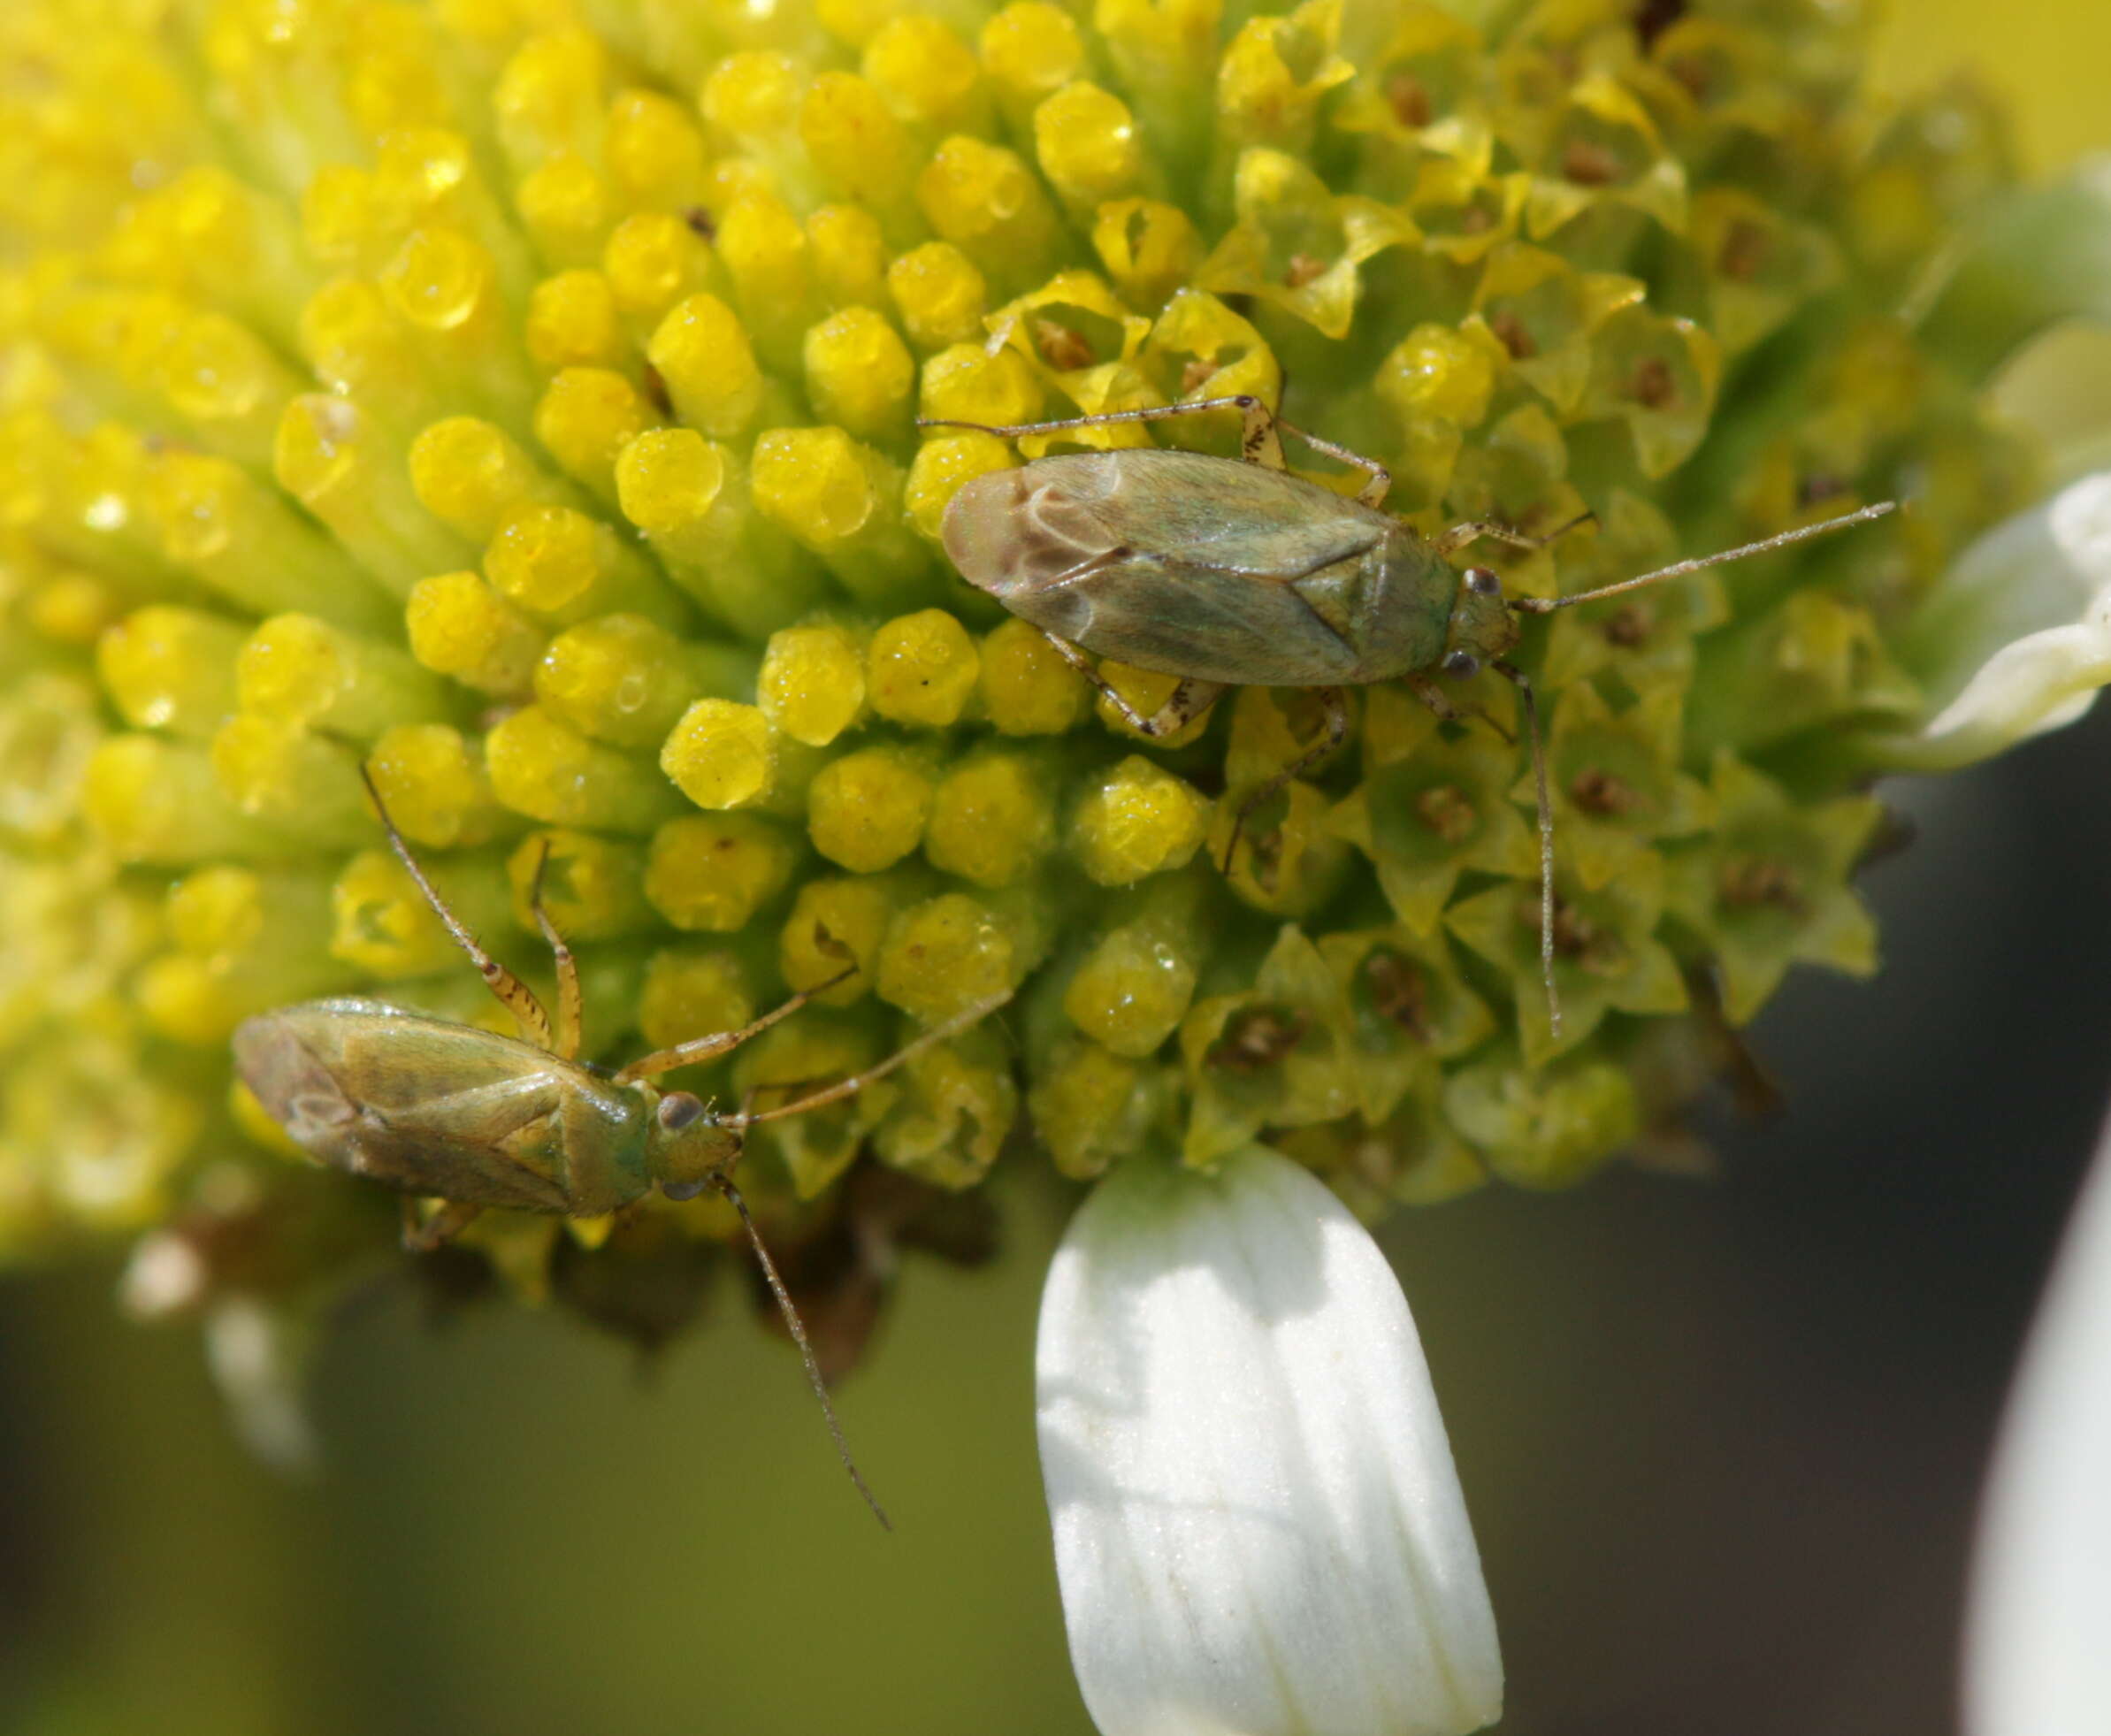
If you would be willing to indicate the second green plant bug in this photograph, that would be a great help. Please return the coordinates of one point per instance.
(432, 1108)
(1226, 573)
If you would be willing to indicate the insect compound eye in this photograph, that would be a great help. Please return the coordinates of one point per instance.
(1482, 582)
(680, 1191)
(1461, 665)
(678, 1109)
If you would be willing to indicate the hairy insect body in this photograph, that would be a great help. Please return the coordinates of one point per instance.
(432, 1108)
(1211, 569)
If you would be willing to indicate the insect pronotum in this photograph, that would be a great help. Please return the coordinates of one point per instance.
(1234, 572)
(475, 1119)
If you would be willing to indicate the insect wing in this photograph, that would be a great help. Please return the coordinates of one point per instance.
(418, 1103)
(1170, 561)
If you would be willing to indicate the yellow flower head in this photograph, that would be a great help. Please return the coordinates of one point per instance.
(519, 401)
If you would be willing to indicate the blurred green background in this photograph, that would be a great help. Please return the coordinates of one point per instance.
(1720, 1441)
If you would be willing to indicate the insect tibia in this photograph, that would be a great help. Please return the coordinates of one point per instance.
(425, 1234)
(798, 1329)
(1256, 413)
(513, 994)
(1702, 563)
(701, 1049)
(571, 1030)
(1458, 536)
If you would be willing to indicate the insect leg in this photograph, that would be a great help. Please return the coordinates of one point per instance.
(843, 1088)
(514, 995)
(1434, 697)
(857, 1082)
(1261, 439)
(449, 1219)
(1441, 702)
(1260, 443)
(1460, 535)
(1183, 705)
(1336, 731)
(1378, 480)
(708, 1048)
(570, 1014)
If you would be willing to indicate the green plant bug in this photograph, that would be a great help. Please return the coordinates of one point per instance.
(476, 1119)
(1234, 572)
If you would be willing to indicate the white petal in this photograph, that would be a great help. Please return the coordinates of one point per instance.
(2038, 1646)
(1258, 1528)
(2017, 638)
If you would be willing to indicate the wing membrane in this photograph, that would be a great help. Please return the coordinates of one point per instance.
(421, 1105)
(1172, 560)
(1193, 512)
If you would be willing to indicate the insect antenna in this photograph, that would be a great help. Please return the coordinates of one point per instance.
(834, 1093)
(1701, 562)
(1528, 697)
(805, 1349)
